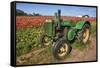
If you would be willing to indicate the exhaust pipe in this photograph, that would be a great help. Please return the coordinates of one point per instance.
(59, 18)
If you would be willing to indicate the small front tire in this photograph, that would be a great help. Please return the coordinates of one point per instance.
(44, 40)
(61, 48)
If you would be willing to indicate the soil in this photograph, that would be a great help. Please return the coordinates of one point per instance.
(44, 55)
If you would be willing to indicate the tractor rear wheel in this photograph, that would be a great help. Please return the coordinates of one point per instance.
(85, 33)
(61, 48)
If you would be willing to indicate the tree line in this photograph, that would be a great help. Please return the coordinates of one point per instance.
(22, 13)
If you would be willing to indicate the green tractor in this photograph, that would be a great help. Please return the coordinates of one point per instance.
(62, 32)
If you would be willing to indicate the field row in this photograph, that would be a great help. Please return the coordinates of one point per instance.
(24, 21)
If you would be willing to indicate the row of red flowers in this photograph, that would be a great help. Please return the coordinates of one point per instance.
(24, 21)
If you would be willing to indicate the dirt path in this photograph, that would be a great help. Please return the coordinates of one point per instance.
(85, 54)
(44, 55)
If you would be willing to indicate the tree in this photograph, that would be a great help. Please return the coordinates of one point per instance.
(20, 13)
(36, 14)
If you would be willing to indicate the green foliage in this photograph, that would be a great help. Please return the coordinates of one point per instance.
(26, 39)
(36, 14)
(78, 44)
(22, 13)
(93, 29)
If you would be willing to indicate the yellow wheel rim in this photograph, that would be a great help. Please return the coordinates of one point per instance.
(62, 51)
(46, 39)
(85, 35)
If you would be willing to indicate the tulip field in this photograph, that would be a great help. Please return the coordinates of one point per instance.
(24, 21)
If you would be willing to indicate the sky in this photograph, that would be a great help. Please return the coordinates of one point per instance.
(49, 10)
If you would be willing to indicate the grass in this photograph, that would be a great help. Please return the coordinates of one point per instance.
(26, 39)
(78, 45)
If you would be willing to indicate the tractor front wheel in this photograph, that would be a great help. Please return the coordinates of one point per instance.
(61, 48)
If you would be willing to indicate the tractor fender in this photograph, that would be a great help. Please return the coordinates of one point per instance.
(80, 24)
(71, 34)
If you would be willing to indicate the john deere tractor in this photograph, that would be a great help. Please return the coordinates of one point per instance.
(62, 32)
